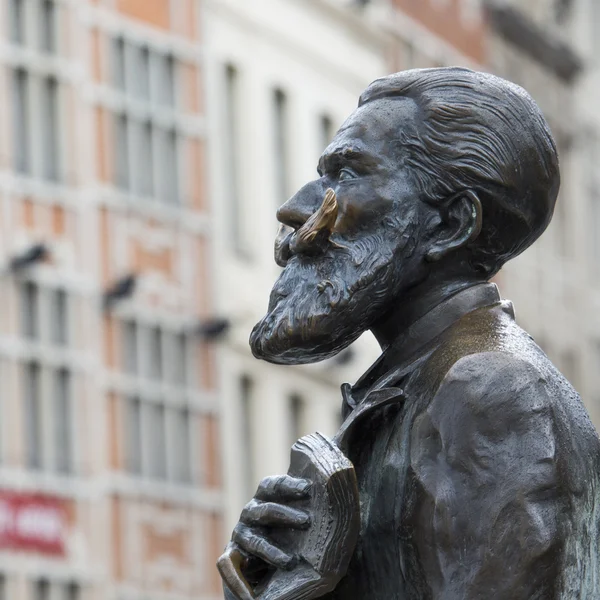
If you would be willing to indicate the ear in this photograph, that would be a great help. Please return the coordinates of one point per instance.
(461, 224)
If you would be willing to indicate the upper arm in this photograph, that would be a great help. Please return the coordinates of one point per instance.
(484, 455)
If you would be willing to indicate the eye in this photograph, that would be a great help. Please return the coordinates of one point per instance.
(345, 174)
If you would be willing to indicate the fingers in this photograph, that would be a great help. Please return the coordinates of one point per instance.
(258, 546)
(281, 488)
(230, 569)
(269, 514)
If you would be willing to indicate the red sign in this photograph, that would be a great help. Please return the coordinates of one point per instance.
(33, 523)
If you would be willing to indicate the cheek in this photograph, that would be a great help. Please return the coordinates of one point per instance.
(361, 208)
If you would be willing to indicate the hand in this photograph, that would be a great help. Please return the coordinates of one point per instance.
(266, 511)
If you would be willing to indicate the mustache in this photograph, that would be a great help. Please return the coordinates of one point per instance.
(313, 236)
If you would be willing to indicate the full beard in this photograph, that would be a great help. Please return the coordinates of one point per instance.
(319, 306)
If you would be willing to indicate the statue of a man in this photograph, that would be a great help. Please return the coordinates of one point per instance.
(479, 476)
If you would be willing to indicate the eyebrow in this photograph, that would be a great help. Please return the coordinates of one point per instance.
(343, 156)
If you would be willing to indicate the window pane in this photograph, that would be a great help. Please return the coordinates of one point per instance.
(156, 354)
(181, 359)
(29, 310)
(232, 159)
(59, 318)
(63, 421)
(181, 446)
(297, 410)
(33, 415)
(143, 173)
(118, 66)
(168, 166)
(326, 132)
(48, 26)
(133, 436)
(139, 73)
(50, 117)
(130, 353)
(247, 433)
(280, 141)
(156, 441)
(21, 121)
(16, 12)
(122, 176)
(41, 590)
(172, 168)
(164, 68)
(73, 592)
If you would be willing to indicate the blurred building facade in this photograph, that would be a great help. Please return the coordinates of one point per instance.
(283, 75)
(109, 478)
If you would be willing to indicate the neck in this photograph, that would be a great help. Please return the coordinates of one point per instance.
(417, 302)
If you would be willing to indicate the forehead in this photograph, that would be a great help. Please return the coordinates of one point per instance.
(374, 127)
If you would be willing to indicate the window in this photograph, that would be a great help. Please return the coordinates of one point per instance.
(326, 131)
(48, 408)
(247, 433)
(157, 417)
(62, 418)
(181, 445)
(168, 176)
(164, 79)
(133, 436)
(48, 26)
(33, 415)
(156, 359)
(130, 364)
(30, 310)
(118, 67)
(16, 13)
(59, 318)
(50, 128)
(143, 173)
(146, 149)
(280, 140)
(157, 451)
(297, 418)
(40, 94)
(21, 121)
(122, 151)
(232, 167)
(41, 590)
(72, 592)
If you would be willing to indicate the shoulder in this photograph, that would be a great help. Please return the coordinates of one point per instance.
(495, 389)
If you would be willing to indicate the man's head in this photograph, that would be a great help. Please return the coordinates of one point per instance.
(439, 174)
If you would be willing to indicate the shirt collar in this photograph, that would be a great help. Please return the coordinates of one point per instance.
(411, 345)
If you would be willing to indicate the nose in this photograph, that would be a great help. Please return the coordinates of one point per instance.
(299, 208)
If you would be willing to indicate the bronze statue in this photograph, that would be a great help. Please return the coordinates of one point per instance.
(470, 467)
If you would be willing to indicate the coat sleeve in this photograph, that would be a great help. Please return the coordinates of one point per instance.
(484, 458)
